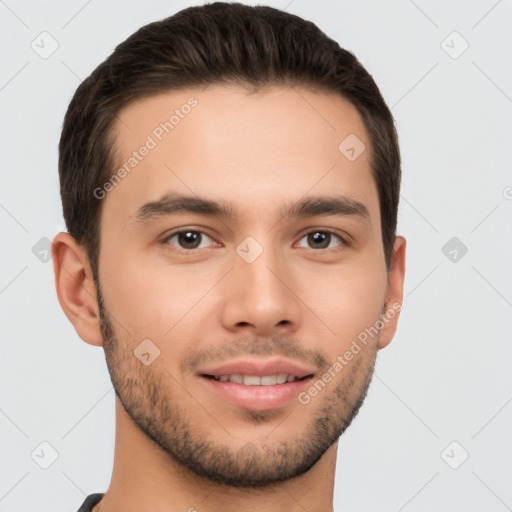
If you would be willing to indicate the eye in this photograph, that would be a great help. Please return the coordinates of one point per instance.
(321, 239)
(189, 239)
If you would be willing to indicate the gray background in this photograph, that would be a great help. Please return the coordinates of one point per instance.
(446, 377)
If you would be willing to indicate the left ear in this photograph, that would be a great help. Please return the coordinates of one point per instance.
(396, 275)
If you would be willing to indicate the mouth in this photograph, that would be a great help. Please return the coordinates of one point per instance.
(256, 380)
(257, 385)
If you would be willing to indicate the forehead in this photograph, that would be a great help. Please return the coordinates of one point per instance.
(255, 148)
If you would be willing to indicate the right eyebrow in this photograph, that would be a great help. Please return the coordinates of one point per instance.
(176, 203)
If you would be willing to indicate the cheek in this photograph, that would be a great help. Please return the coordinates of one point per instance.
(346, 301)
(149, 298)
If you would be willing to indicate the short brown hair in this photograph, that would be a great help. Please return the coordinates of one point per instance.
(219, 43)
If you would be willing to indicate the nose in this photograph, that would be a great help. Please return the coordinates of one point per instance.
(261, 299)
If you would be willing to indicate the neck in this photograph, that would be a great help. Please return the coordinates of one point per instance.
(145, 477)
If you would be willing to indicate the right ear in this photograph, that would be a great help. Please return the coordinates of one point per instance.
(75, 288)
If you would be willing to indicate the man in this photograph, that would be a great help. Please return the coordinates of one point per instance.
(230, 181)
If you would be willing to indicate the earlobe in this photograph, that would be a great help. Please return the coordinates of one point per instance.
(75, 288)
(395, 295)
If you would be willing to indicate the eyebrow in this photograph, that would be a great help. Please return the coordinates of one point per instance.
(309, 207)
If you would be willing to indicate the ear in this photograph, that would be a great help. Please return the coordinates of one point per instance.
(75, 288)
(396, 275)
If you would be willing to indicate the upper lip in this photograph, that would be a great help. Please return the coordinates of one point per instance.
(257, 367)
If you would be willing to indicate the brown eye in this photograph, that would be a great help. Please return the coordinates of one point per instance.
(189, 239)
(321, 240)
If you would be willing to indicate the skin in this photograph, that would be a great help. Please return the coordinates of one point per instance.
(260, 152)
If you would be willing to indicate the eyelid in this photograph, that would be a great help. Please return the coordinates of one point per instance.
(343, 238)
(177, 231)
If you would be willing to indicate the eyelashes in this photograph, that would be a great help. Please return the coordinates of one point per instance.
(192, 240)
(320, 237)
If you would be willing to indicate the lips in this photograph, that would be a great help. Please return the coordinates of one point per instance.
(258, 368)
(256, 384)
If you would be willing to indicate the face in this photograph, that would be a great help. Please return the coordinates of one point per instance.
(244, 292)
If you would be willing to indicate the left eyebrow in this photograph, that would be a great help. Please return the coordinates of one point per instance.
(308, 207)
(312, 206)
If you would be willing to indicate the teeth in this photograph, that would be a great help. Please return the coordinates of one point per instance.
(281, 378)
(268, 380)
(255, 380)
(251, 380)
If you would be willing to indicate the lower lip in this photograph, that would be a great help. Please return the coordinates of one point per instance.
(257, 398)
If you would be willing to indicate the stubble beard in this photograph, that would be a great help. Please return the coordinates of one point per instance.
(151, 397)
